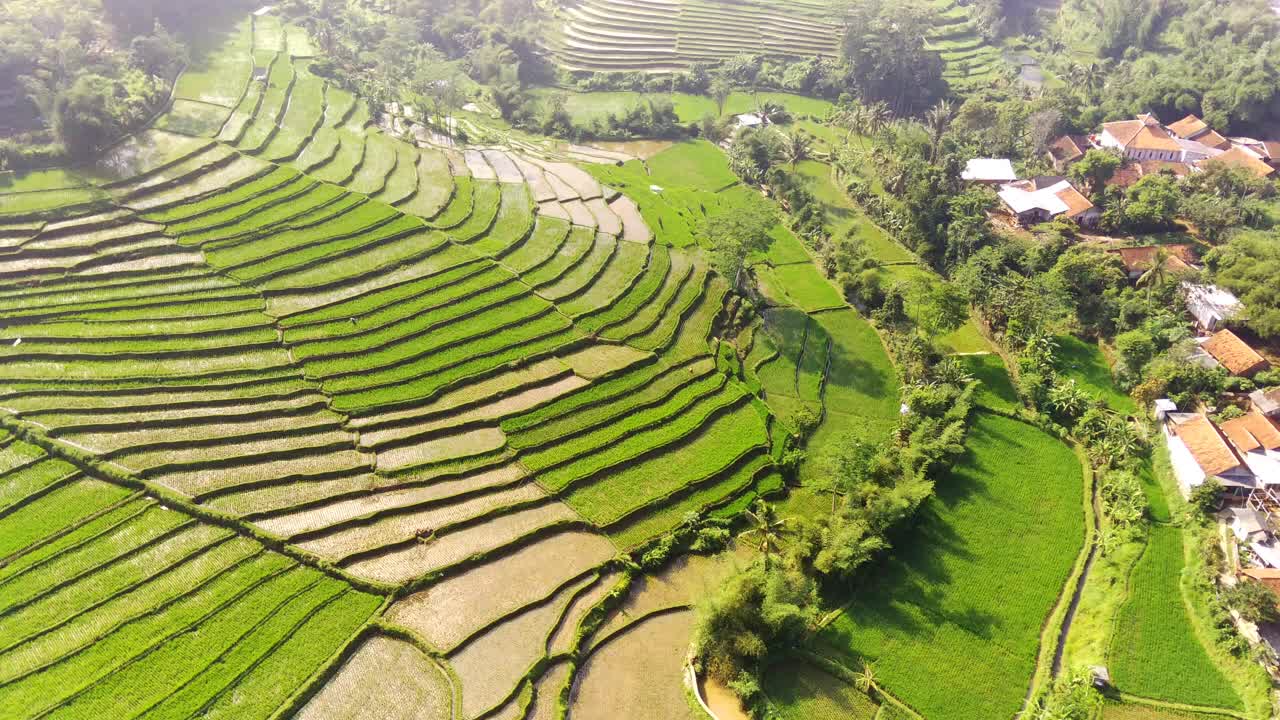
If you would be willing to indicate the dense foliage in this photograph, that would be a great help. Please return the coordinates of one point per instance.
(76, 74)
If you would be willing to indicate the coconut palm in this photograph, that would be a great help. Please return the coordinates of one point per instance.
(936, 121)
(877, 116)
(766, 530)
(866, 680)
(1158, 273)
(795, 147)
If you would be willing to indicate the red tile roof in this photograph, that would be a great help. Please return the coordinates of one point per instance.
(1077, 203)
(1068, 148)
(1234, 354)
(1252, 432)
(1188, 127)
(1239, 157)
(1207, 446)
(1139, 259)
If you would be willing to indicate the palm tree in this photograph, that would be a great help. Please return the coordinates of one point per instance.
(936, 121)
(866, 680)
(851, 119)
(766, 528)
(795, 147)
(1158, 273)
(877, 117)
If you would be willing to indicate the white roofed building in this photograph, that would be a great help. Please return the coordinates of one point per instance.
(990, 171)
(1210, 305)
(1045, 198)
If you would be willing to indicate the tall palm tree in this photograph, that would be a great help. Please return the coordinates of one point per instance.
(1158, 273)
(936, 121)
(877, 117)
(766, 530)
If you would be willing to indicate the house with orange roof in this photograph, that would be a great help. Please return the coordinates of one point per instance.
(1066, 150)
(1257, 439)
(1267, 576)
(1198, 450)
(1240, 156)
(1042, 199)
(1138, 260)
(1140, 139)
(1193, 128)
(1234, 354)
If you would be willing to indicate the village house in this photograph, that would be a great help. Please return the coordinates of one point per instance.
(1241, 157)
(1066, 150)
(1257, 440)
(1199, 451)
(1193, 128)
(1210, 305)
(988, 171)
(1249, 525)
(1234, 354)
(1044, 198)
(1140, 139)
(1138, 260)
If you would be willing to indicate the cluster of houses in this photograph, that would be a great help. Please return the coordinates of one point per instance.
(1146, 145)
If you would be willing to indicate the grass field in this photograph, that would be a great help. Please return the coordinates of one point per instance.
(957, 587)
(1084, 362)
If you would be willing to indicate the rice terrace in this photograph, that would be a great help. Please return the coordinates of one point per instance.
(644, 359)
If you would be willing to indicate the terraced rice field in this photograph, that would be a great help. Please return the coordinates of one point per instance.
(293, 402)
(661, 36)
(669, 35)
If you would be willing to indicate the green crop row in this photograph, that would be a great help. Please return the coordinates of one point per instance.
(1157, 653)
(21, 482)
(235, 252)
(265, 121)
(597, 393)
(489, 355)
(403, 181)
(606, 402)
(175, 174)
(302, 117)
(264, 185)
(149, 597)
(109, 328)
(640, 293)
(512, 224)
(51, 548)
(548, 235)
(232, 215)
(667, 324)
(622, 272)
(484, 211)
(682, 273)
(96, 370)
(68, 599)
(643, 442)
(460, 205)
(346, 161)
(654, 521)
(643, 416)
(63, 507)
(580, 242)
(173, 662)
(322, 147)
(475, 307)
(302, 255)
(398, 302)
(262, 335)
(366, 263)
(121, 543)
(700, 444)
(582, 274)
(389, 364)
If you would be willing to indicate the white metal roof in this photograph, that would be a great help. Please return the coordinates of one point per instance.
(1046, 199)
(989, 170)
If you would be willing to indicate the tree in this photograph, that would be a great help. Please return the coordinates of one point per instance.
(766, 530)
(937, 120)
(721, 89)
(884, 51)
(86, 115)
(735, 234)
(1204, 497)
(1157, 273)
(795, 147)
(1255, 602)
(1095, 169)
(866, 680)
